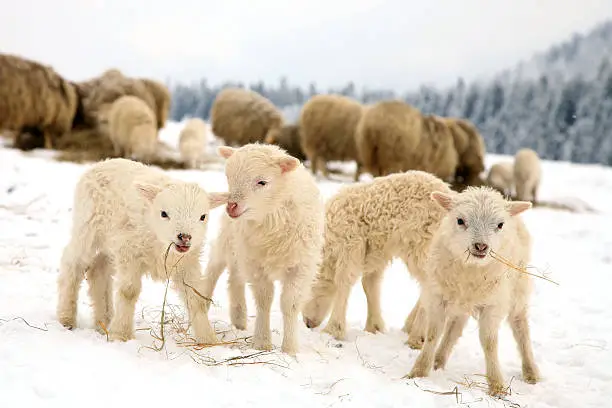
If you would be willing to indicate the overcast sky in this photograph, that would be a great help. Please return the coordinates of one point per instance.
(396, 43)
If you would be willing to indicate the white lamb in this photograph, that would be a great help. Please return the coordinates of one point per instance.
(367, 225)
(192, 141)
(501, 177)
(527, 174)
(126, 216)
(463, 279)
(273, 230)
(132, 128)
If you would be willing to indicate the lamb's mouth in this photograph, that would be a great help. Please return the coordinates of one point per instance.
(479, 254)
(181, 248)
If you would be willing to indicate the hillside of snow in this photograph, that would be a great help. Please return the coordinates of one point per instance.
(44, 365)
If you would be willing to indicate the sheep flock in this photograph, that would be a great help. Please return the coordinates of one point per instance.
(426, 203)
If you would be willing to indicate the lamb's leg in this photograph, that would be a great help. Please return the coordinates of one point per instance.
(129, 285)
(191, 285)
(454, 329)
(72, 272)
(489, 322)
(99, 279)
(322, 294)
(314, 163)
(418, 327)
(358, 171)
(520, 329)
(263, 292)
(216, 265)
(436, 317)
(336, 326)
(237, 299)
(371, 281)
(295, 285)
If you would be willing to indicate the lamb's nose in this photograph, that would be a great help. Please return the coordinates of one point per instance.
(480, 246)
(231, 206)
(184, 237)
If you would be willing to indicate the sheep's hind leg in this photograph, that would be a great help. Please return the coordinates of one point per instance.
(99, 279)
(371, 282)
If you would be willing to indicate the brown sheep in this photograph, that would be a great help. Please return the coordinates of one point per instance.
(288, 137)
(387, 137)
(99, 93)
(327, 129)
(161, 96)
(471, 149)
(36, 99)
(241, 116)
(436, 151)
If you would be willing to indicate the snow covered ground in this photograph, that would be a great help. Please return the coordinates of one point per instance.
(44, 365)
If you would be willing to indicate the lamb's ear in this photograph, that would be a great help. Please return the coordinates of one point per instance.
(517, 207)
(148, 191)
(288, 163)
(217, 199)
(444, 200)
(225, 151)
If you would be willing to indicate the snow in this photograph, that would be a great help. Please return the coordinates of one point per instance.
(44, 365)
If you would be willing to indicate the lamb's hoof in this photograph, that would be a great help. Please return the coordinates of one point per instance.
(209, 339)
(375, 327)
(336, 330)
(238, 318)
(289, 349)
(439, 363)
(415, 342)
(496, 389)
(120, 336)
(262, 344)
(67, 322)
(310, 323)
(416, 372)
(531, 375)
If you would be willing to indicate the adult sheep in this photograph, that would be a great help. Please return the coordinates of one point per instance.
(471, 149)
(241, 116)
(132, 128)
(366, 226)
(98, 94)
(387, 136)
(527, 174)
(436, 153)
(288, 138)
(327, 130)
(273, 230)
(36, 99)
(481, 223)
(130, 220)
(161, 97)
(192, 141)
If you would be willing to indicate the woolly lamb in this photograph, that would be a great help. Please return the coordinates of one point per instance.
(241, 116)
(36, 99)
(288, 138)
(501, 177)
(462, 279)
(527, 174)
(367, 225)
(387, 137)
(125, 217)
(192, 141)
(327, 130)
(132, 128)
(273, 230)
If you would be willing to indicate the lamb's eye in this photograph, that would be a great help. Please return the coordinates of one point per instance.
(202, 217)
(164, 214)
(262, 182)
(500, 225)
(460, 221)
